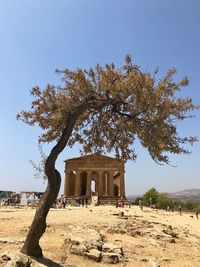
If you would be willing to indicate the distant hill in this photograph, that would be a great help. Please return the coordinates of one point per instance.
(133, 197)
(187, 194)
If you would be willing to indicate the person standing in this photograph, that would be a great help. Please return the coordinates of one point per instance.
(82, 201)
(141, 204)
(150, 202)
(86, 201)
(116, 203)
(180, 209)
(197, 214)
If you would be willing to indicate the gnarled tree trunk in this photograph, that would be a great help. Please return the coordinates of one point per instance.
(31, 245)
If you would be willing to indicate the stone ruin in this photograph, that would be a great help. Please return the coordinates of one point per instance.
(94, 175)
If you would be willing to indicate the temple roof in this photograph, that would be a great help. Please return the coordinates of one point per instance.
(94, 157)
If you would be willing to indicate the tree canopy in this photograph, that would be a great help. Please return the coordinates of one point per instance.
(152, 194)
(111, 108)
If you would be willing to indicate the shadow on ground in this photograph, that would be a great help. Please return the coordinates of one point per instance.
(48, 262)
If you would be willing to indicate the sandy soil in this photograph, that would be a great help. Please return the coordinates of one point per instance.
(141, 234)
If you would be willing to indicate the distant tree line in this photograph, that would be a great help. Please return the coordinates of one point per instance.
(5, 194)
(163, 201)
(9, 197)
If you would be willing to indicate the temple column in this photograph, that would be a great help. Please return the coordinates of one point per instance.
(88, 189)
(122, 184)
(106, 183)
(67, 183)
(77, 184)
(100, 188)
(111, 184)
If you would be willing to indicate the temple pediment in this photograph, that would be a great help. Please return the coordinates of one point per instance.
(95, 157)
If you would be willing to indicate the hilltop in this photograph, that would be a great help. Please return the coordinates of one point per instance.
(186, 194)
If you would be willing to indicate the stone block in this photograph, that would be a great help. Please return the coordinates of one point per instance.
(111, 248)
(111, 258)
(94, 254)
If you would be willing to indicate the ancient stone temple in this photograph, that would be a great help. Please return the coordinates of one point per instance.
(94, 174)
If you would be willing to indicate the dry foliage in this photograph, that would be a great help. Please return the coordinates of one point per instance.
(120, 105)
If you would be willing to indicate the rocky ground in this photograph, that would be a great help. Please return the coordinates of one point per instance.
(101, 236)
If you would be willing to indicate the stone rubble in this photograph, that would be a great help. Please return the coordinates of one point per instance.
(17, 260)
(145, 229)
(89, 243)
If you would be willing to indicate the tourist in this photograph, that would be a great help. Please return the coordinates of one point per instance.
(167, 209)
(141, 204)
(64, 202)
(86, 201)
(150, 203)
(180, 209)
(82, 201)
(122, 202)
(197, 214)
(60, 201)
(78, 201)
(2, 202)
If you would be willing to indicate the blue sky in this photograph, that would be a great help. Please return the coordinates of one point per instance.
(39, 36)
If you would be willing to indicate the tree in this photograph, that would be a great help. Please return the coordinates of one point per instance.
(152, 194)
(163, 201)
(105, 109)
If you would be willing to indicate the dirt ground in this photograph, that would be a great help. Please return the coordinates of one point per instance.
(148, 237)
